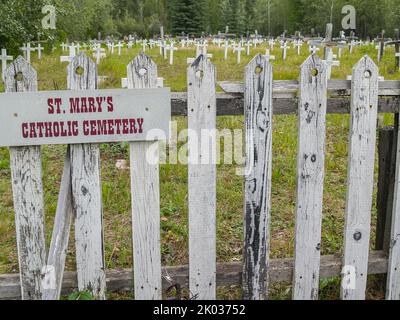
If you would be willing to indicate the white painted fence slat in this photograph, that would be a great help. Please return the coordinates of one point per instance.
(202, 181)
(86, 193)
(26, 172)
(364, 106)
(258, 118)
(145, 190)
(54, 271)
(393, 277)
(310, 177)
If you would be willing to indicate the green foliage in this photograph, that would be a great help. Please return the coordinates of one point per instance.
(83, 295)
(84, 19)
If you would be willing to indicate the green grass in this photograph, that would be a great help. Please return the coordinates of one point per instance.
(174, 220)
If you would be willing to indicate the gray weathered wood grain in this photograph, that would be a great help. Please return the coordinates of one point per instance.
(26, 179)
(310, 177)
(54, 272)
(393, 276)
(202, 181)
(257, 216)
(364, 106)
(145, 190)
(86, 193)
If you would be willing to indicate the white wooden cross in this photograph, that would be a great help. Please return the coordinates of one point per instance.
(64, 46)
(130, 45)
(99, 53)
(298, 44)
(111, 47)
(271, 43)
(248, 45)
(284, 47)
(204, 46)
(27, 51)
(267, 56)
(171, 49)
(341, 45)
(351, 46)
(71, 56)
(313, 49)
(120, 45)
(331, 63)
(4, 58)
(226, 48)
(183, 43)
(144, 45)
(239, 50)
(78, 47)
(39, 49)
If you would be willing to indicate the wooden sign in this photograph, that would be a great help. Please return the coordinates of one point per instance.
(72, 117)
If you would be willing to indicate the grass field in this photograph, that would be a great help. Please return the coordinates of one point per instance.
(116, 192)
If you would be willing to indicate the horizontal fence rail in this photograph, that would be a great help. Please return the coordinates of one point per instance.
(228, 274)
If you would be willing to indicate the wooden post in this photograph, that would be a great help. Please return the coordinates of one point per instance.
(145, 190)
(386, 182)
(26, 178)
(86, 193)
(393, 275)
(364, 107)
(202, 181)
(257, 216)
(310, 177)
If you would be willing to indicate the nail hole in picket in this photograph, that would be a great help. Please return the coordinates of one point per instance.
(367, 74)
(259, 69)
(79, 71)
(142, 71)
(19, 76)
(314, 72)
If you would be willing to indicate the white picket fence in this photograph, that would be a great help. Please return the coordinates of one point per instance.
(80, 195)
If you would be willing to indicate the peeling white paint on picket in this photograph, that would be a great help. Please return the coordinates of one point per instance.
(364, 107)
(86, 193)
(393, 277)
(26, 178)
(202, 181)
(258, 119)
(54, 271)
(145, 190)
(310, 177)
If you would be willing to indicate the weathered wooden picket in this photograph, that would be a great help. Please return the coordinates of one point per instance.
(259, 99)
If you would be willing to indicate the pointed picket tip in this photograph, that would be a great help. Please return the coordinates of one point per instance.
(259, 61)
(313, 67)
(82, 73)
(142, 72)
(367, 66)
(20, 76)
(202, 68)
